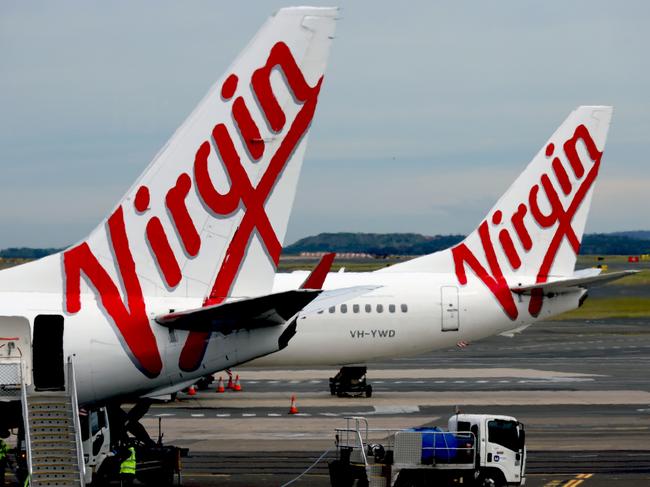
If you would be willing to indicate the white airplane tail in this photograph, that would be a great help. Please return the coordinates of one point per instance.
(207, 217)
(534, 231)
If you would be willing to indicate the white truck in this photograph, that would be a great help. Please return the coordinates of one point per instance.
(476, 449)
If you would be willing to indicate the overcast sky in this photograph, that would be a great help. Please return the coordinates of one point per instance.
(428, 112)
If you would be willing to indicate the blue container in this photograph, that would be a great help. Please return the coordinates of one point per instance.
(437, 444)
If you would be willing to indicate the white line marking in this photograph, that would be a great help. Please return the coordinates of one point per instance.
(162, 415)
(226, 415)
(396, 409)
(249, 415)
(197, 415)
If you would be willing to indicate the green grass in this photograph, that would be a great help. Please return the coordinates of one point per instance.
(6, 263)
(601, 308)
(640, 279)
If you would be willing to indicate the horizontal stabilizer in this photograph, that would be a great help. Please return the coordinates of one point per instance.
(334, 297)
(579, 280)
(268, 310)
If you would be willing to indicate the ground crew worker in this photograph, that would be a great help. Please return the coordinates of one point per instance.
(127, 467)
(4, 449)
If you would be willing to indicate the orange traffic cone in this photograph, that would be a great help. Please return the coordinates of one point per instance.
(220, 387)
(237, 386)
(293, 409)
(230, 385)
(191, 391)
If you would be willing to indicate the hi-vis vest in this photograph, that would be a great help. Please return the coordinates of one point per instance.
(3, 450)
(128, 465)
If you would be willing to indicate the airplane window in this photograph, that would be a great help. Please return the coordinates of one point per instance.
(391, 308)
(344, 308)
(404, 308)
(380, 308)
(332, 309)
(355, 308)
(368, 308)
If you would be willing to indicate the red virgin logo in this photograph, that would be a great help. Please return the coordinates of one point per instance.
(558, 216)
(129, 315)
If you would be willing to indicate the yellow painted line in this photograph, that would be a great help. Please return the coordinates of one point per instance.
(573, 483)
(585, 475)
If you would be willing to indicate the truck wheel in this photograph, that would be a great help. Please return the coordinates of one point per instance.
(369, 391)
(491, 479)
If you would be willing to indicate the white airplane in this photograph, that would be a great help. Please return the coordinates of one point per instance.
(177, 281)
(515, 269)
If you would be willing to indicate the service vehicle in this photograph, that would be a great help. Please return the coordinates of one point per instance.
(350, 382)
(476, 450)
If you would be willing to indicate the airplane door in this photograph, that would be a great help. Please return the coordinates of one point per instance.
(48, 352)
(449, 308)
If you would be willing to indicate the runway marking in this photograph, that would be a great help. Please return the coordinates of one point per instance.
(225, 415)
(585, 475)
(274, 415)
(573, 483)
(315, 381)
(248, 415)
(197, 415)
(396, 410)
(330, 415)
(162, 415)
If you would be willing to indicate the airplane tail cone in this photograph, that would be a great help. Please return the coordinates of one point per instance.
(220, 387)
(237, 386)
(191, 391)
(293, 409)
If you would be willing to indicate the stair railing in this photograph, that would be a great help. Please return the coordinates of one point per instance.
(71, 386)
(28, 440)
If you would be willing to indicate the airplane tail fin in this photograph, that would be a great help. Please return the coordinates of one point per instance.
(207, 217)
(535, 229)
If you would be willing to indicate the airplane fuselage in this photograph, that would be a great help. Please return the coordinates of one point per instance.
(409, 314)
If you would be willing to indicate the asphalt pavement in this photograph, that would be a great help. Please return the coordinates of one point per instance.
(581, 389)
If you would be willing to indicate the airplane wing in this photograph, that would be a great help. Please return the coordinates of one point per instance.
(581, 279)
(259, 312)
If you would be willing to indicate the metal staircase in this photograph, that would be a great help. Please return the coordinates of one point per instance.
(52, 435)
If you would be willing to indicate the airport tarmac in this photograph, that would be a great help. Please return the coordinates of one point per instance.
(581, 388)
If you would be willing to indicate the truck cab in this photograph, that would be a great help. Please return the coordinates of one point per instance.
(500, 446)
